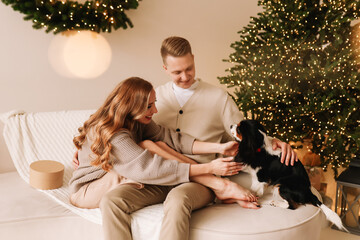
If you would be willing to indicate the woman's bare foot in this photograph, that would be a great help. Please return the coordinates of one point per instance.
(232, 190)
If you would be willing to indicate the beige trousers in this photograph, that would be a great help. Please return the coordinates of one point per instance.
(179, 204)
(117, 201)
(117, 205)
(89, 195)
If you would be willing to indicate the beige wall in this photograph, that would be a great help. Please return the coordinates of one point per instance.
(29, 83)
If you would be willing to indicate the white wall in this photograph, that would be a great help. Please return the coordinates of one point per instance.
(28, 82)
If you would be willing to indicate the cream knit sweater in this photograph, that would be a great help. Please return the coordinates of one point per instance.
(135, 163)
(207, 115)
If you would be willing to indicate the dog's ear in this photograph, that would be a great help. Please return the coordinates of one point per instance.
(259, 138)
(264, 135)
(261, 127)
(252, 139)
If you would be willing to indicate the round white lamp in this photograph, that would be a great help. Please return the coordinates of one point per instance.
(80, 54)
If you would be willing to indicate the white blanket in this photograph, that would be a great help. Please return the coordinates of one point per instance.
(48, 136)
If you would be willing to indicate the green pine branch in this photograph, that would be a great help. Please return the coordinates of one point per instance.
(57, 16)
(295, 67)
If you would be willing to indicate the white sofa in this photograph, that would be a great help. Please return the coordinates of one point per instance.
(28, 213)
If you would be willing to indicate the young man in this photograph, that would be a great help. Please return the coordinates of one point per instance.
(199, 109)
(195, 107)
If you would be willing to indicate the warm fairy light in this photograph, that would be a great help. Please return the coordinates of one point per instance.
(80, 54)
(355, 41)
(301, 85)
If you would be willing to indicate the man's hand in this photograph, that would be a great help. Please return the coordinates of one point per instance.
(75, 160)
(288, 155)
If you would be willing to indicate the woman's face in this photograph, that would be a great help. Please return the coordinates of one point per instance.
(151, 109)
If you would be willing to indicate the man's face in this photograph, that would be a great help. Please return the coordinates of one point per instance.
(181, 69)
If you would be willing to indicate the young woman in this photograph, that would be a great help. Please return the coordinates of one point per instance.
(118, 175)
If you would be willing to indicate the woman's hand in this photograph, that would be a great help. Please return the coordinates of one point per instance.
(229, 148)
(224, 167)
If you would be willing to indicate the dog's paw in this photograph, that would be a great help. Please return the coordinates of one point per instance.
(260, 192)
(258, 188)
(282, 204)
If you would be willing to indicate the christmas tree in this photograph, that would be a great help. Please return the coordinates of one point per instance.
(296, 69)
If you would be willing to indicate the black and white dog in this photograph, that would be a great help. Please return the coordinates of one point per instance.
(290, 184)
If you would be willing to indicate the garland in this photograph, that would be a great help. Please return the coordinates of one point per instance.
(61, 15)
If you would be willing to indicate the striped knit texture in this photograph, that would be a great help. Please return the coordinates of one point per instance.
(47, 136)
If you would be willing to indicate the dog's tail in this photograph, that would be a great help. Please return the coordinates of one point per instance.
(330, 215)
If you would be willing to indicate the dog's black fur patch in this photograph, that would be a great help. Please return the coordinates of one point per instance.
(293, 181)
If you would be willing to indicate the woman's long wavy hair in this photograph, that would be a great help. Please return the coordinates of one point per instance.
(125, 104)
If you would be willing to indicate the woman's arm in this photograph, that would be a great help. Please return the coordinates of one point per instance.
(181, 142)
(220, 166)
(229, 148)
(133, 162)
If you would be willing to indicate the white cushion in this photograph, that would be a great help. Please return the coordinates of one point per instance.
(231, 222)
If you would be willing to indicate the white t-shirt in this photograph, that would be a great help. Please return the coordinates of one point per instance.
(182, 95)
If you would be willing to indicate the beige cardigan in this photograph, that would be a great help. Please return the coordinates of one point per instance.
(135, 163)
(207, 115)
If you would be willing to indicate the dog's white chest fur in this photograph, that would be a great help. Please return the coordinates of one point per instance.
(256, 186)
(268, 195)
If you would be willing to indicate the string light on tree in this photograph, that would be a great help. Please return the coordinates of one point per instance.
(295, 69)
(59, 16)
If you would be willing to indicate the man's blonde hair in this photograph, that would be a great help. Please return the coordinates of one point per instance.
(175, 46)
